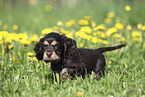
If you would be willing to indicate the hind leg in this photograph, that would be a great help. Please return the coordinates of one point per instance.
(100, 67)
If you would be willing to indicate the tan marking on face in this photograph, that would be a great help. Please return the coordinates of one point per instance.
(53, 43)
(46, 43)
(54, 56)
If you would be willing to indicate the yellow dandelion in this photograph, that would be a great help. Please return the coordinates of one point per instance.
(69, 36)
(30, 59)
(139, 26)
(110, 62)
(111, 15)
(79, 94)
(116, 35)
(143, 28)
(127, 8)
(137, 39)
(10, 47)
(81, 44)
(128, 27)
(48, 8)
(94, 39)
(13, 58)
(93, 23)
(135, 33)
(55, 28)
(122, 39)
(102, 35)
(8, 41)
(87, 17)
(59, 23)
(15, 27)
(107, 21)
(0, 23)
(46, 31)
(70, 23)
(25, 42)
(38, 64)
(119, 26)
(105, 42)
(29, 54)
(111, 31)
(83, 22)
(100, 27)
(83, 35)
(5, 27)
(34, 59)
(32, 2)
(86, 29)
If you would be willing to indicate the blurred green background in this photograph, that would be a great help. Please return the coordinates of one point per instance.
(35, 15)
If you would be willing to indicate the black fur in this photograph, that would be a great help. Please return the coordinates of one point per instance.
(78, 61)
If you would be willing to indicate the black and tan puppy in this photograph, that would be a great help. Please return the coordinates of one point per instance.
(62, 52)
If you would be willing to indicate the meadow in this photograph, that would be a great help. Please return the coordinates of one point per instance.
(93, 24)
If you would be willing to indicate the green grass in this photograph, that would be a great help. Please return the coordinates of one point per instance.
(125, 76)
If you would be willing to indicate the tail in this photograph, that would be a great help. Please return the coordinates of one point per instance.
(103, 49)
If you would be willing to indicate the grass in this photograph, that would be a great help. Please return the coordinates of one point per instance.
(125, 69)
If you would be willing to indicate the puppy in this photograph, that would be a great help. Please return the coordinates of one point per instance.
(62, 52)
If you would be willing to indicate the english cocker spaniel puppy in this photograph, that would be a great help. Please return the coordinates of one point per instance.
(62, 52)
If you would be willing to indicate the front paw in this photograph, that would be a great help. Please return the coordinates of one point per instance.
(66, 74)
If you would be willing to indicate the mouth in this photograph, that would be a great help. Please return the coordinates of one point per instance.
(50, 58)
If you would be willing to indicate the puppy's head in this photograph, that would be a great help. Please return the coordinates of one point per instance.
(49, 48)
(53, 47)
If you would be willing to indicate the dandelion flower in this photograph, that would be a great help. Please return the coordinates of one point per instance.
(10, 47)
(83, 22)
(5, 27)
(110, 62)
(111, 31)
(122, 39)
(13, 58)
(119, 26)
(111, 15)
(46, 31)
(128, 27)
(139, 26)
(100, 27)
(107, 21)
(135, 33)
(86, 29)
(105, 42)
(79, 94)
(81, 44)
(59, 23)
(116, 35)
(87, 17)
(127, 8)
(48, 8)
(25, 42)
(32, 2)
(29, 54)
(15, 27)
(143, 28)
(70, 23)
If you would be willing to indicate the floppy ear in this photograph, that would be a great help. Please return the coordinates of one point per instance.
(39, 50)
(70, 48)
